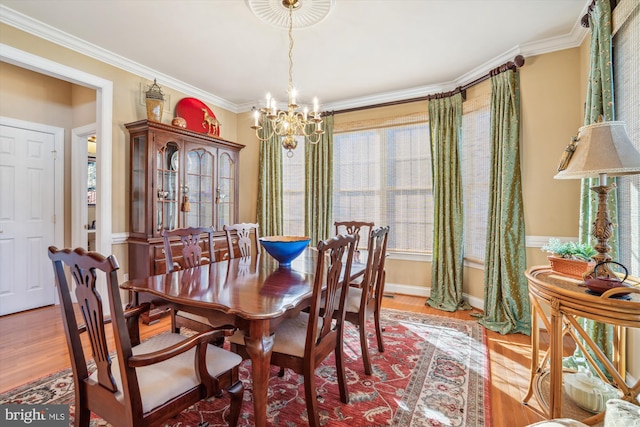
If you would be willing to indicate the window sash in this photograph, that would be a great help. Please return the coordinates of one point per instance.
(626, 69)
(382, 174)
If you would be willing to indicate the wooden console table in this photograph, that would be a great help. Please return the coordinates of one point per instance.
(566, 299)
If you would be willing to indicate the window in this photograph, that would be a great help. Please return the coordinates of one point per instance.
(293, 203)
(383, 174)
(626, 68)
(475, 166)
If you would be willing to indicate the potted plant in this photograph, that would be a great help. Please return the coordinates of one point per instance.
(570, 258)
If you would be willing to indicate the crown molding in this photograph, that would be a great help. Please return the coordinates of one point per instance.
(47, 32)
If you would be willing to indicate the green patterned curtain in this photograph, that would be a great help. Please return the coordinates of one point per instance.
(269, 210)
(319, 185)
(506, 296)
(445, 121)
(599, 107)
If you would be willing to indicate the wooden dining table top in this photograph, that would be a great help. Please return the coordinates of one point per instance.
(251, 287)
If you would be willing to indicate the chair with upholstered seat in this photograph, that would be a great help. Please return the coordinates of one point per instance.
(354, 228)
(242, 232)
(134, 383)
(303, 342)
(193, 240)
(192, 244)
(365, 301)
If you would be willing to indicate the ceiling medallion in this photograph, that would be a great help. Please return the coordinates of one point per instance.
(276, 12)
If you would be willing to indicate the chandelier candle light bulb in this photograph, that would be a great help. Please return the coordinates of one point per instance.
(289, 123)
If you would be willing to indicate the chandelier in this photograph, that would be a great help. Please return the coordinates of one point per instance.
(291, 122)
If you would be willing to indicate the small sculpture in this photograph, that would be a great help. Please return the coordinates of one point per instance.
(179, 122)
(210, 123)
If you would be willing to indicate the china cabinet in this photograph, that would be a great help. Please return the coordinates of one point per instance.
(179, 178)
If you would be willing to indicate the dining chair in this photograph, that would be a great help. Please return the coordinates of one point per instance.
(365, 301)
(354, 228)
(303, 342)
(134, 383)
(243, 233)
(191, 251)
(191, 255)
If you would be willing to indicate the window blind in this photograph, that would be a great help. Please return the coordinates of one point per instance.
(475, 170)
(382, 174)
(293, 203)
(626, 68)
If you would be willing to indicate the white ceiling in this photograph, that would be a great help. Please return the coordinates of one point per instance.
(364, 52)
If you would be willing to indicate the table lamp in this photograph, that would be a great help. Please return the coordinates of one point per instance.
(599, 150)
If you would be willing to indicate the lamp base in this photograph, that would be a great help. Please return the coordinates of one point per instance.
(602, 230)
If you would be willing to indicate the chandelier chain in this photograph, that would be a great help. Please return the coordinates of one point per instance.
(290, 49)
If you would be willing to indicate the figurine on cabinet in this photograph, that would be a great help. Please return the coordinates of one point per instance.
(210, 123)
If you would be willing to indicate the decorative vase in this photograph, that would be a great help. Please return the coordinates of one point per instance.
(179, 122)
(155, 102)
(570, 267)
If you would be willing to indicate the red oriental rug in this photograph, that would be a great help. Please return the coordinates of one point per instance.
(434, 372)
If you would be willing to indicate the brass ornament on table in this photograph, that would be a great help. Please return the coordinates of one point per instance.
(154, 99)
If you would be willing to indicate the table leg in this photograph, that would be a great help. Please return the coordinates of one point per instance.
(259, 344)
(555, 360)
(535, 340)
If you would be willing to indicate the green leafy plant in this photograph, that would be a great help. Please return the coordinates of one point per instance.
(570, 250)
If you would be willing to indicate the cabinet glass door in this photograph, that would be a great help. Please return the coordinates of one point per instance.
(167, 195)
(199, 187)
(138, 183)
(225, 197)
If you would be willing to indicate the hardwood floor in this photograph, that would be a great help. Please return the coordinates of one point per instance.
(33, 345)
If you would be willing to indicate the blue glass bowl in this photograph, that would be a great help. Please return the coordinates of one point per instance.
(284, 248)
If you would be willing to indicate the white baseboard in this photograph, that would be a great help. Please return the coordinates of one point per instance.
(421, 291)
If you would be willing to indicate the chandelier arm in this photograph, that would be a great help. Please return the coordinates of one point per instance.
(264, 139)
(303, 131)
(316, 140)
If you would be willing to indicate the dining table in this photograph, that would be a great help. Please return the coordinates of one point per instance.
(254, 294)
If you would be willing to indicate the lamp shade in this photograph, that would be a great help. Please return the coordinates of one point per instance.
(602, 148)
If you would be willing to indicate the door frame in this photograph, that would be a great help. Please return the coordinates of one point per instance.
(104, 128)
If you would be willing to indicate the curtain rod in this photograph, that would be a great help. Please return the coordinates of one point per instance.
(517, 62)
(585, 19)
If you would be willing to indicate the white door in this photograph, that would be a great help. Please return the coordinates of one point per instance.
(27, 217)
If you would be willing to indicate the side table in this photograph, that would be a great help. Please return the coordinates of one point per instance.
(566, 300)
